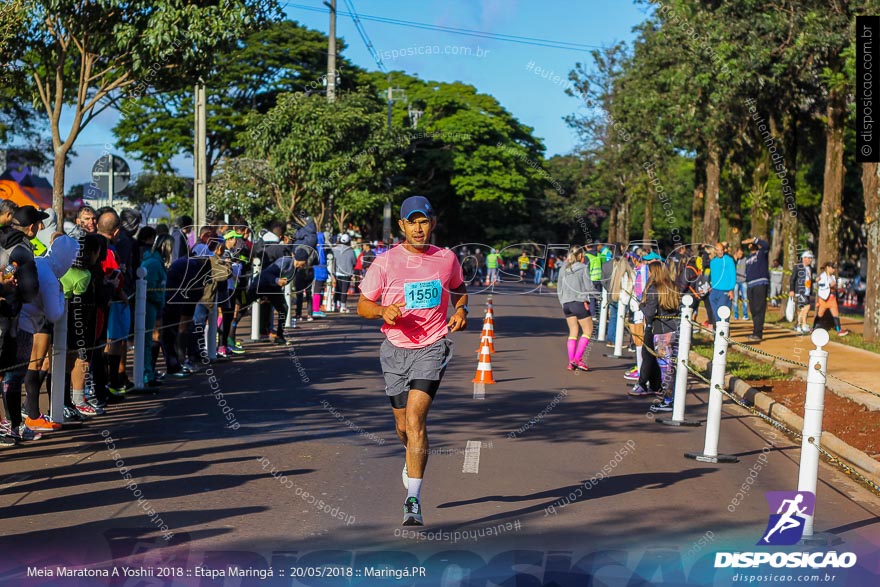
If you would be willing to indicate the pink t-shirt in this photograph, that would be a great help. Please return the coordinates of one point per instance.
(422, 281)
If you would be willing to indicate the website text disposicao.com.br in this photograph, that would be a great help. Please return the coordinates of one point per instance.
(454, 50)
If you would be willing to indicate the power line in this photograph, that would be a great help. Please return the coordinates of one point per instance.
(365, 37)
(534, 41)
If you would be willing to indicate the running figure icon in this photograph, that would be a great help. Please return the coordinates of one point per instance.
(787, 524)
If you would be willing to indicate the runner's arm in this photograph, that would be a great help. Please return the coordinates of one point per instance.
(459, 299)
(371, 310)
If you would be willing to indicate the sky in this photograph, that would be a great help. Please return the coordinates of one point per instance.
(494, 67)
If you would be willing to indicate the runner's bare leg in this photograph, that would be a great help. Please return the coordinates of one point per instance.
(416, 413)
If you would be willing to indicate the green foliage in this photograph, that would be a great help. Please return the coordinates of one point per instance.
(480, 167)
(322, 158)
(150, 189)
(283, 57)
(81, 54)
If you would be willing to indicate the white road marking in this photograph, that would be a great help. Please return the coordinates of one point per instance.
(479, 391)
(472, 457)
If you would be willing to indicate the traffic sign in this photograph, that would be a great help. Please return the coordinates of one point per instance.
(109, 183)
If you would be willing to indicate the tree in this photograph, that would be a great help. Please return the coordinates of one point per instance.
(79, 53)
(11, 18)
(321, 156)
(150, 189)
(249, 77)
(480, 167)
(871, 184)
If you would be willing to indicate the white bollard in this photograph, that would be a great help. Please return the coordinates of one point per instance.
(140, 319)
(211, 332)
(713, 419)
(681, 374)
(603, 315)
(618, 329)
(813, 408)
(59, 368)
(289, 304)
(328, 297)
(255, 307)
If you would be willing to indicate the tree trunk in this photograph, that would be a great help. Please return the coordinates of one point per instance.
(871, 185)
(776, 241)
(758, 215)
(58, 170)
(712, 211)
(697, 214)
(734, 201)
(698, 203)
(648, 225)
(623, 222)
(832, 194)
(612, 225)
(788, 202)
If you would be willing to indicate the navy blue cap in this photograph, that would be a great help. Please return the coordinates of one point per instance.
(415, 204)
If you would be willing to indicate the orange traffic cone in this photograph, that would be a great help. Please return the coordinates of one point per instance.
(487, 339)
(484, 367)
(488, 335)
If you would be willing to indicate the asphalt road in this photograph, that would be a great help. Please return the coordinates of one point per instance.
(312, 420)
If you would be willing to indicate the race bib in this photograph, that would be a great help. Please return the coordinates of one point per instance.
(422, 294)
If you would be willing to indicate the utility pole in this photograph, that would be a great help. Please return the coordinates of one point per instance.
(331, 54)
(200, 160)
(110, 186)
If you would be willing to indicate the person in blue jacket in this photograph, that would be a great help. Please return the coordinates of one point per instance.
(722, 276)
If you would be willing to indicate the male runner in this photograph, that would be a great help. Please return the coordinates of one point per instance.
(410, 288)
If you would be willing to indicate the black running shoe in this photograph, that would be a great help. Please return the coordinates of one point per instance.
(412, 512)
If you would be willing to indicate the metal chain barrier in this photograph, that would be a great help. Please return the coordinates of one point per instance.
(98, 346)
(868, 483)
(875, 488)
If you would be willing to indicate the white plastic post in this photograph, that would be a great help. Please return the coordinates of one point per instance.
(255, 307)
(713, 419)
(59, 368)
(681, 375)
(618, 329)
(211, 332)
(603, 315)
(289, 304)
(140, 319)
(328, 297)
(813, 408)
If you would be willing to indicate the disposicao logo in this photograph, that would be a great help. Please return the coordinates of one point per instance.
(784, 528)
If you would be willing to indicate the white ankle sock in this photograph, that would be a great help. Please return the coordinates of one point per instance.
(415, 488)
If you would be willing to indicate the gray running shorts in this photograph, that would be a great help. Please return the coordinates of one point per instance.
(401, 366)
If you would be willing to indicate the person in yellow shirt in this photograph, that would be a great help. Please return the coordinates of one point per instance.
(523, 265)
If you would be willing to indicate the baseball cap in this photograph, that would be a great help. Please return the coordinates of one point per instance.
(807, 255)
(27, 215)
(415, 204)
(345, 239)
(232, 234)
(652, 256)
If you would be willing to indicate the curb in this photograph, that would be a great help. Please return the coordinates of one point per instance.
(859, 460)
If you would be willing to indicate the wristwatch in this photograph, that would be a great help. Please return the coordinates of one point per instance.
(465, 308)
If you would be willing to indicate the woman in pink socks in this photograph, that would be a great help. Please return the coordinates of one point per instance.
(574, 289)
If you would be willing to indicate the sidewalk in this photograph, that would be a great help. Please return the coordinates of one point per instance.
(853, 365)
